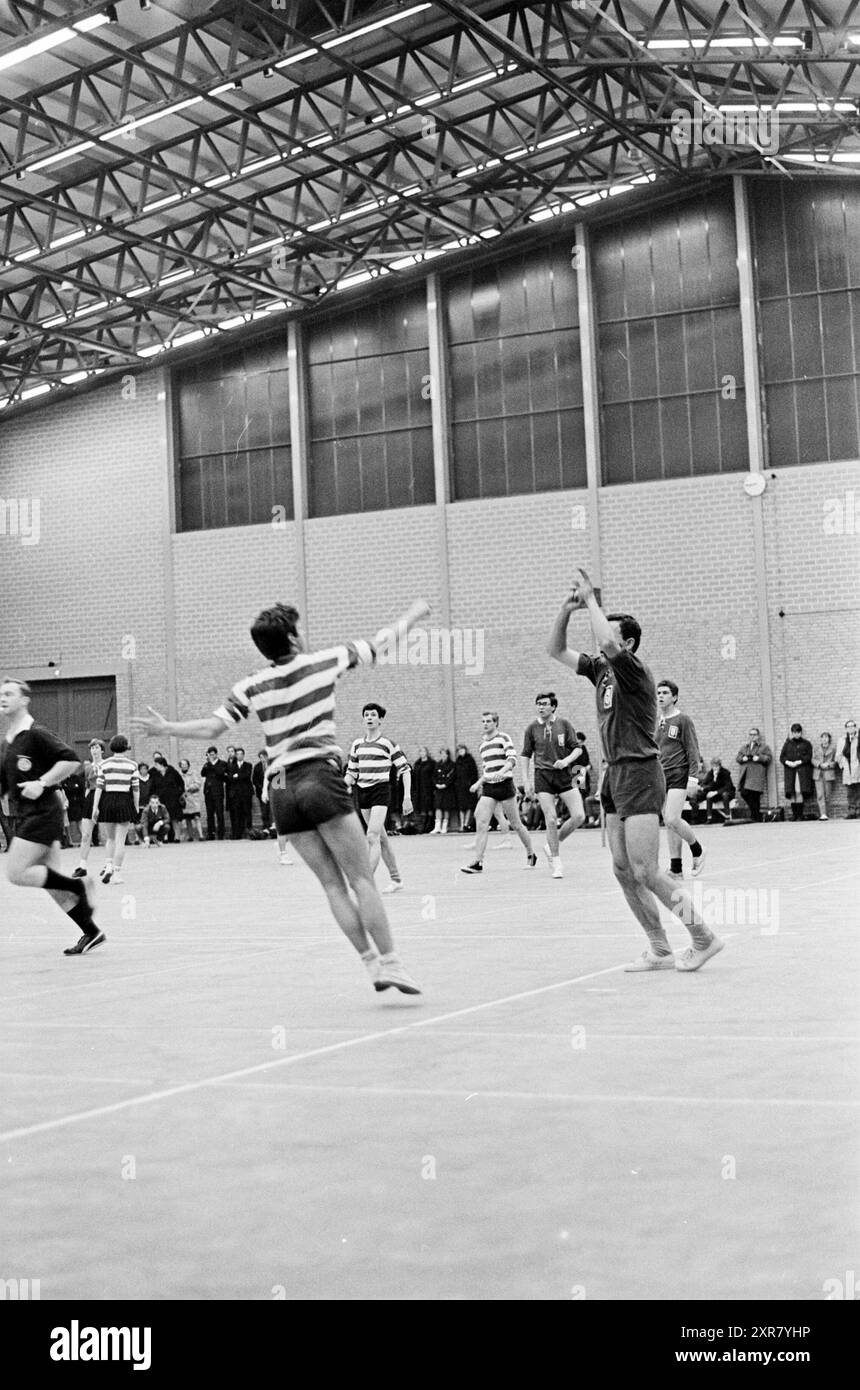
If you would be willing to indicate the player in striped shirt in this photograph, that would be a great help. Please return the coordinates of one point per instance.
(495, 787)
(682, 763)
(368, 769)
(294, 698)
(115, 804)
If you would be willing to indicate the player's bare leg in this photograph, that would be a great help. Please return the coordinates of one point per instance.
(677, 829)
(375, 817)
(390, 863)
(484, 813)
(639, 899)
(576, 813)
(318, 857)
(547, 805)
(642, 838)
(512, 813)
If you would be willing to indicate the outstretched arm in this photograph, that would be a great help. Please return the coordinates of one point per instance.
(188, 728)
(557, 645)
(388, 636)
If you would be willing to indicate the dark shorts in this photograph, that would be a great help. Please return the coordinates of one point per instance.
(676, 780)
(116, 808)
(499, 791)
(88, 806)
(41, 826)
(635, 787)
(308, 795)
(553, 780)
(378, 794)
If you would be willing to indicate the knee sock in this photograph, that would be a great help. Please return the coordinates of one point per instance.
(61, 884)
(675, 865)
(82, 916)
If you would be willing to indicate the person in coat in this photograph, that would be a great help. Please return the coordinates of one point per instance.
(171, 789)
(849, 765)
(715, 791)
(465, 775)
(753, 759)
(824, 773)
(796, 759)
(193, 790)
(424, 788)
(444, 797)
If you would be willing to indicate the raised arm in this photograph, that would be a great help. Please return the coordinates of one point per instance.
(388, 636)
(183, 728)
(557, 645)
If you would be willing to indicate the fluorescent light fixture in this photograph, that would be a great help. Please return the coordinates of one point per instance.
(825, 157)
(139, 289)
(259, 164)
(734, 41)
(216, 91)
(60, 155)
(75, 376)
(318, 140)
(297, 58)
(264, 246)
(95, 21)
(64, 240)
(91, 309)
(219, 178)
(177, 275)
(318, 226)
(135, 123)
(34, 391)
(28, 254)
(161, 203)
(37, 46)
(52, 323)
(189, 337)
(151, 351)
(377, 24)
(789, 106)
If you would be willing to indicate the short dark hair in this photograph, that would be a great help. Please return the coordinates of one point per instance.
(670, 685)
(159, 758)
(547, 695)
(580, 735)
(628, 627)
(241, 750)
(798, 727)
(118, 744)
(274, 631)
(490, 714)
(140, 765)
(212, 748)
(380, 709)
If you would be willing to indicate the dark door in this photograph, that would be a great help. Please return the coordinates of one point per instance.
(77, 710)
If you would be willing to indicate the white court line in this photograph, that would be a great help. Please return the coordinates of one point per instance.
(823, 882)
(554, 1096)
(62, 1121)
(78, 1078)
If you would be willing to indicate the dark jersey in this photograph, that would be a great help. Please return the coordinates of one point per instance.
(31, 754)
(547, 742)
(679, 747)
(626, 705)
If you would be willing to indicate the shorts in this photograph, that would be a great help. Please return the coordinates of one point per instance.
(499, 791)
(87, 813)
(377, 794)
(553, 780)
(43, 824)
(635, 787)
(116, 808)
(676, 781)
(308, 795)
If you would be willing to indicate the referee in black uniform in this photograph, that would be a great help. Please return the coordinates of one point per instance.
(33, 765)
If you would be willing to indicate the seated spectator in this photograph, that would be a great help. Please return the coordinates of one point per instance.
(155, 822)
(715, 790)
(824, 773)
(796, 759)
(754, 759)
(849, 765)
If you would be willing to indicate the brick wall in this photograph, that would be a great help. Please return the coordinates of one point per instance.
(679, 554)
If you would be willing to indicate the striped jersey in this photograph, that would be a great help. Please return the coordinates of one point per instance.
(371, 760)
(496, 751)
(117, 774)
(294, 702)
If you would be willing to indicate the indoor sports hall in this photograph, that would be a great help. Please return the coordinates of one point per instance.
(529, 321)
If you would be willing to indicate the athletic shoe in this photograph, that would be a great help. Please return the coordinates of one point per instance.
(87, 942)
(824, 818)
(557, 870)
(117, 878)
(106, 874)
(694, 957)
(648, 961)
(698, 862)
(531, 861)
(476, 868)
(285, 859)
(676, 873)
(394, 886)
(393, 973)
(80, 871)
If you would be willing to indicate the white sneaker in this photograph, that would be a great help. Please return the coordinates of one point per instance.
(694, 957)
(394, 886)
(117, 878)
(435, 830)
(285, 859)
(557, 870)
(393, 973)
(824, 818)
(648, 961)
(698, 864)
(106, 872)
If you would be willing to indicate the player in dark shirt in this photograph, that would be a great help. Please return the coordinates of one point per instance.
(634, 788)
(34, 764)
(682, 762)
(550, 742)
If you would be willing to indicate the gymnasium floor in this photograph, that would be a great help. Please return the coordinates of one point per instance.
(216, 1105)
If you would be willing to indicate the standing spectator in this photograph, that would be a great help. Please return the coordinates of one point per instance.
(849, 764)
(193, 788)
(582, 765)
(796, 758)
(258, 778)
(824, 773)
(116, 803)
(214, 773)
(754, 758)
(716, 790)
(424, 788)
(444, 799)
(240, 791)
(155, 822)
(89, 833)
(74, 790)
(170, 790)
(465, 775)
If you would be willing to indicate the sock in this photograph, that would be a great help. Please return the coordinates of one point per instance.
(675, 866)
(659, 942)
(369, 956)
(82, 917)
(61, 884)
(702, 936)
(696, 849)
(390, 958)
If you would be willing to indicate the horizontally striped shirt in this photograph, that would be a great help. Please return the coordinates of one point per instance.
(294, 702)
(496, 751)
(118, 774)
(371, 759)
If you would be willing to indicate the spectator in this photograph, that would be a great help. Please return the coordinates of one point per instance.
(170, 789)
(581, 766)
(155, 822)
(465, 774)
(849, 764)
(824, 773)
(716, 790)
(74, 790)
(444, 798)
(754, 758)
(240, 791)
(258, 778)
(796, 758)
(214, 774)
(89, 830)
(193, 788)
(424, 788)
